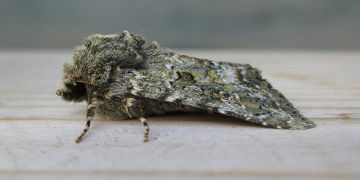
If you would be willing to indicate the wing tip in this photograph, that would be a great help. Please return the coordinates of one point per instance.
(301, 124)
(294, 124)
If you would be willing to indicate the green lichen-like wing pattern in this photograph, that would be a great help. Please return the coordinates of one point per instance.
(231, 89)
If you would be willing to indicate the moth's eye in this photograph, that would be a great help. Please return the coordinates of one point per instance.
(74, 92)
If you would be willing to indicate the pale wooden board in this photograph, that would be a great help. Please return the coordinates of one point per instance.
(37, 129)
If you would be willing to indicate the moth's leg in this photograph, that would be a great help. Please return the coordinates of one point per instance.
(90, 112)
(135, 110)
(147, 129)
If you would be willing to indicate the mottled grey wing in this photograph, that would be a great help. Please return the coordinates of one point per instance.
(230, 89)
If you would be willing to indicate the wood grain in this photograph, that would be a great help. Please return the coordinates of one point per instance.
(37, 129)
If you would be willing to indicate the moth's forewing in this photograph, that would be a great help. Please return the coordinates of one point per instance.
(230, 89)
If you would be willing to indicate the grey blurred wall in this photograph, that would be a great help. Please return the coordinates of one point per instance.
(264, 24)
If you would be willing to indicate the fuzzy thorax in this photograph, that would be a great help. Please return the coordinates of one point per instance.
(99, 57)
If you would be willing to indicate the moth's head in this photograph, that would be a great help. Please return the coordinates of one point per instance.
(73, 79)
(75, 92)
(87, 67)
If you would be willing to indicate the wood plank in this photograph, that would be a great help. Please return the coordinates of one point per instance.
(204, 143)
(38, 129)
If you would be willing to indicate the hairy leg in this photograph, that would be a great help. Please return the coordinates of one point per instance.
(135, 110)
(90, 112)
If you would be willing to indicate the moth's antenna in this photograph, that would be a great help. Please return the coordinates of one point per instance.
(90, 112)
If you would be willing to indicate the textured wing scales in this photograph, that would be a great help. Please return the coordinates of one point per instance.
(230, 89)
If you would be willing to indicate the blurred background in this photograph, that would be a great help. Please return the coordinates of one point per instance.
(246, 24)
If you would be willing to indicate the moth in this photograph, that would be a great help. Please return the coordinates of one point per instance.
(123, 76)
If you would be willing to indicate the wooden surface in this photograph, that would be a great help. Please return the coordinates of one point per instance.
(37, 129)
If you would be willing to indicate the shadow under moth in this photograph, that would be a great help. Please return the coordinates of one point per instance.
(123, 76)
